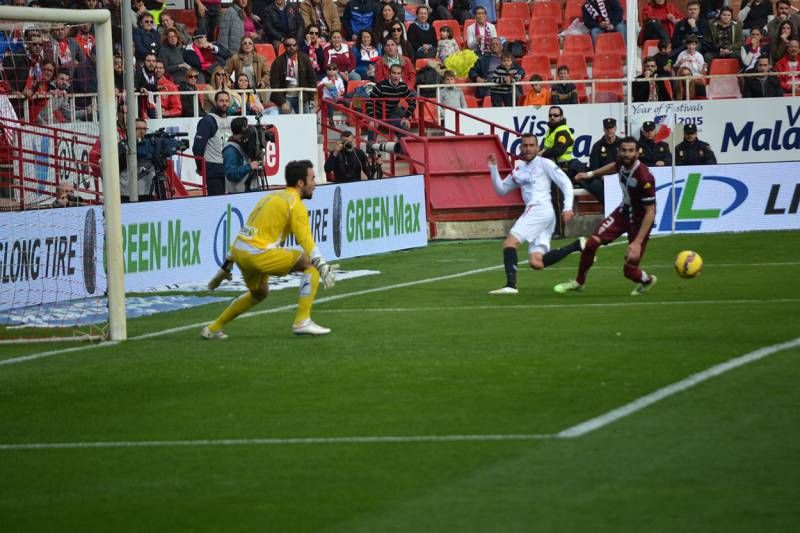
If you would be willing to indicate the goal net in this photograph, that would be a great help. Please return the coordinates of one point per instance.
(60, 233)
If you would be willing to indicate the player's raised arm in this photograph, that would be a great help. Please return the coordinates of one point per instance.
(501, 186)
(605, 170)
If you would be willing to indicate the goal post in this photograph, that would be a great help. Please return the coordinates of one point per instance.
(109, 164)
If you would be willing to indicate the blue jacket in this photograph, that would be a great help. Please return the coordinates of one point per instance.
(237, 168)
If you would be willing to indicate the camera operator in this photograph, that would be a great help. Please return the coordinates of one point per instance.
(212, 132)
(347, 162)
(146, 171)
(238, 165)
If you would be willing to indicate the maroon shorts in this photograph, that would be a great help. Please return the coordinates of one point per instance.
(617, 223)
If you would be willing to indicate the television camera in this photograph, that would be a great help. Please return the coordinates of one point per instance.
(254, 143)
(163, 145)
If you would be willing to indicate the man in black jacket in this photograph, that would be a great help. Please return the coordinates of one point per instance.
(282, 20)
(292, 69)
(693, 151)
(347, 162)
(651, 152)
(764, 86)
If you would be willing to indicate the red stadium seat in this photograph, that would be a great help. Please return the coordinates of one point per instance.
(611, 43)
(511, 29)
(546, 45)
(185, 16)
(472, 102)
(543, 26)
(607, 66)
(649, 48)
(579, 44)
(266, 51)
(607, 91)
(572, 10)
(517, 10)
(724, 66)
(539, 64)
(548, 8)
(423, 62)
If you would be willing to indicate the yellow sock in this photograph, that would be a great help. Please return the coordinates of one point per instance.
(308, 289)
(236, 308)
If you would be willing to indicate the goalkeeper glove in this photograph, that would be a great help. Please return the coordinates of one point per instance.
(223, 274)
(325, 270)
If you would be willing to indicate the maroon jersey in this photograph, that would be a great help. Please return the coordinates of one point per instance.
(638, 190)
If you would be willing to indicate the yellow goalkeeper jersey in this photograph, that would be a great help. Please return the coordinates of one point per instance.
(274, 218)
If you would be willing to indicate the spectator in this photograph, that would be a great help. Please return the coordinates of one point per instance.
(332, 86)
(221, 81)
(292, 70)
(691, 57)
(171, 54)
(281, 20)
(565, 92)
(461, 11)
(663, 59)
(208, 16)
(166, 22)
(119, 77)
(82, 33)
(780, 41)
(391, 57)
(439, 10)
(384, 101)
(399, 12)
(236, 22)
(690, 87)
(692, 26)
(504, 77)
(693, 151)
(451, 95)
(37, 91)
(170, 103)
(322, 14)
(482, 70)
(339, 53)
(84, 81)
(65, 195)
(212, 132)
(603, 16)
(726, 36)
(651, 152)
(755, 47)
(382, 29)
(189, 84)
(21, 70)
(539, 94)
(650, 88)
(709, 9)
(488, 5)
(766, 85)
(447, 45)
(422, 35)
(754, 13)
(659, 18)
(367, 54)
(204, 55)
(789, 63)
(144, 82)
(398, 33)
(59, 107)
(64, 50)
(146, 39)
(480, 33)
(347, 162)
(246, 61)
(783, 12)
(359, 15)
(312, 48)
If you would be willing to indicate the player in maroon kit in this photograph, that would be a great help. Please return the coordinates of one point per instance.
(634, 216)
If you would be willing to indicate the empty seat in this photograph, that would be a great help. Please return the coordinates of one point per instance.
(548, 8)
(543, 26)
(518, 10)
(607, 65)
(538, 64)
(724, 66)
(612, 43)
(579, 44)
(572, 10)
(511, 29)
(267, 51)
(649, 48)
(546, 45)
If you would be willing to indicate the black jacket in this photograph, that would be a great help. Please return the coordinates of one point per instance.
(650, 152)
(758, 88)
(694, 153)
(347, 165)
(277, 29)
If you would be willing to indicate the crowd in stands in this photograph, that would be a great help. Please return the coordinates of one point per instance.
(252, 46)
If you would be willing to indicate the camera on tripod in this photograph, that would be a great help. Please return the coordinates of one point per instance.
(164, 145)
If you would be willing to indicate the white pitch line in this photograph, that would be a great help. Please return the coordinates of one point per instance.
(637, 405)
(554, 306)
(274, 442)
(570, 433)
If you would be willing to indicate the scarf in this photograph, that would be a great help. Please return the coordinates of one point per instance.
(424, 27)
(592, 7)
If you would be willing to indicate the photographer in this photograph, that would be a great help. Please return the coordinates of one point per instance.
(65, 195)
(238, 166)
(146, 171)
(347, 162)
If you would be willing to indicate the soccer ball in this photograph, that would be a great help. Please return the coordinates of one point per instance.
(688, 264)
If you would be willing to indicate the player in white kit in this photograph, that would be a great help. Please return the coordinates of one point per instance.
(534, 176)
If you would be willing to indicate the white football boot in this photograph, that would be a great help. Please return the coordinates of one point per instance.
(212, 335)
(309, 327)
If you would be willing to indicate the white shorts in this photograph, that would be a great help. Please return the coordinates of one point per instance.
(535, 226)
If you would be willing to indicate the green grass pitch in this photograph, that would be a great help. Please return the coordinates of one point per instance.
(427, 363)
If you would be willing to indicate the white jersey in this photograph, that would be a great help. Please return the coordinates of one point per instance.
(534, 179)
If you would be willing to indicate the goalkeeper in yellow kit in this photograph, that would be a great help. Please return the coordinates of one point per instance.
(259, 254)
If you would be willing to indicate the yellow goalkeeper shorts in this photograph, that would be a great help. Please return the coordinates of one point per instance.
(258, 267)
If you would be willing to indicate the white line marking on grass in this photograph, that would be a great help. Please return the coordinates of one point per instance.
(273, 442)
(569, 433)
(576, 303)
(637, 405)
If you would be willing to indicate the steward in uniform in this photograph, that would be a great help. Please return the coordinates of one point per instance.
(652, 153)
(693, 151)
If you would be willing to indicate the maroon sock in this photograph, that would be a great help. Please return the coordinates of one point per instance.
(587, 259)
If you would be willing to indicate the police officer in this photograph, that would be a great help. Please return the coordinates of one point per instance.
(693, 151)
(558, 144)
(603, 152)
(652, 153)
